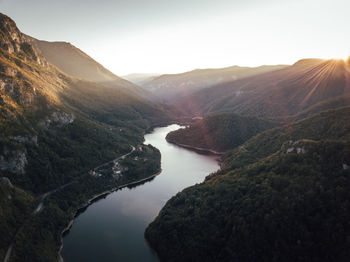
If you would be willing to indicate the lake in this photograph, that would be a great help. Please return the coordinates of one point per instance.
(112, 228)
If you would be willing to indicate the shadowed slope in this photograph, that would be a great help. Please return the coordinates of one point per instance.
(220, 132)
(275, 94)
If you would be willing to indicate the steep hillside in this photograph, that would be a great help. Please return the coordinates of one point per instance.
(219, 132)
(281, 196)
(54, 129)
(279, 93)
(171, 87)
(333, 103)
(43, 112)
(289, 207)
(331, 124)
(74, 62)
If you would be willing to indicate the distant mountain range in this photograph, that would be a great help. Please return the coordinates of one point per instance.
(171, 87)
(140, 79)
(279, 93)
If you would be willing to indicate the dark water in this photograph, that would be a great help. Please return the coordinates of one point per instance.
(112, 229)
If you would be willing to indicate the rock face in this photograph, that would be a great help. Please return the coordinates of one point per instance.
(13, 161)
(11, 38)
(13, 41)
(6, 181)
(10, 86)
(294, 146)
(57, 118)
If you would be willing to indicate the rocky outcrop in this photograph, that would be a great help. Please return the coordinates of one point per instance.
(6, 181)
(11, 38)
(293, 146)
(13, 41)
(11, 87)
(57, 118)
(13, 161)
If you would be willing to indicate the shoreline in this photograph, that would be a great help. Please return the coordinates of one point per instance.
(91, 201)
(199, 149)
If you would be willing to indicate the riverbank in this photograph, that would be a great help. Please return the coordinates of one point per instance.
(53, 211)
(112, 229)
(197, 149)
(93, 199)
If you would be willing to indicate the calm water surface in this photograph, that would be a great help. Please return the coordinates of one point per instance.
(112, 229)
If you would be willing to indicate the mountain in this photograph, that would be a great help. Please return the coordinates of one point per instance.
(219, 133)
(74, 62)
(279, 93)
(54, 129)
(140, 79)
(281, 196)
(171, 87)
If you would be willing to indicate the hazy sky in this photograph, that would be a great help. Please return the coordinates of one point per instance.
(170, 36)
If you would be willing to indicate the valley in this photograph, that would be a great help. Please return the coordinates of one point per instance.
(55, 129)
(126, 213)
(235, 163)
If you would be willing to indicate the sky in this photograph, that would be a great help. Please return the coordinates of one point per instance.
(167, 36)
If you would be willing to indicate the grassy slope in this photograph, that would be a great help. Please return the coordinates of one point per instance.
(74, 62)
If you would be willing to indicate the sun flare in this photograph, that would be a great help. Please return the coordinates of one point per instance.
(343, 57)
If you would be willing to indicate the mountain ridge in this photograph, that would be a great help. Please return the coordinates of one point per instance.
(54, 129)
(279, 93)
(171, 87)
(76, 63)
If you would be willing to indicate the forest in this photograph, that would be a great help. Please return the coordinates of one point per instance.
(281, 196)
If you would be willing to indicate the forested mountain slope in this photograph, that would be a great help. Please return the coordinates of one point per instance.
(220, 132)
(54, 129)
(281, 196)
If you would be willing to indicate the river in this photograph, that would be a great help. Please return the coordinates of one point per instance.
(112, 228)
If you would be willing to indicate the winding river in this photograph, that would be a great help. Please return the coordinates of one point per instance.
(112, 228)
